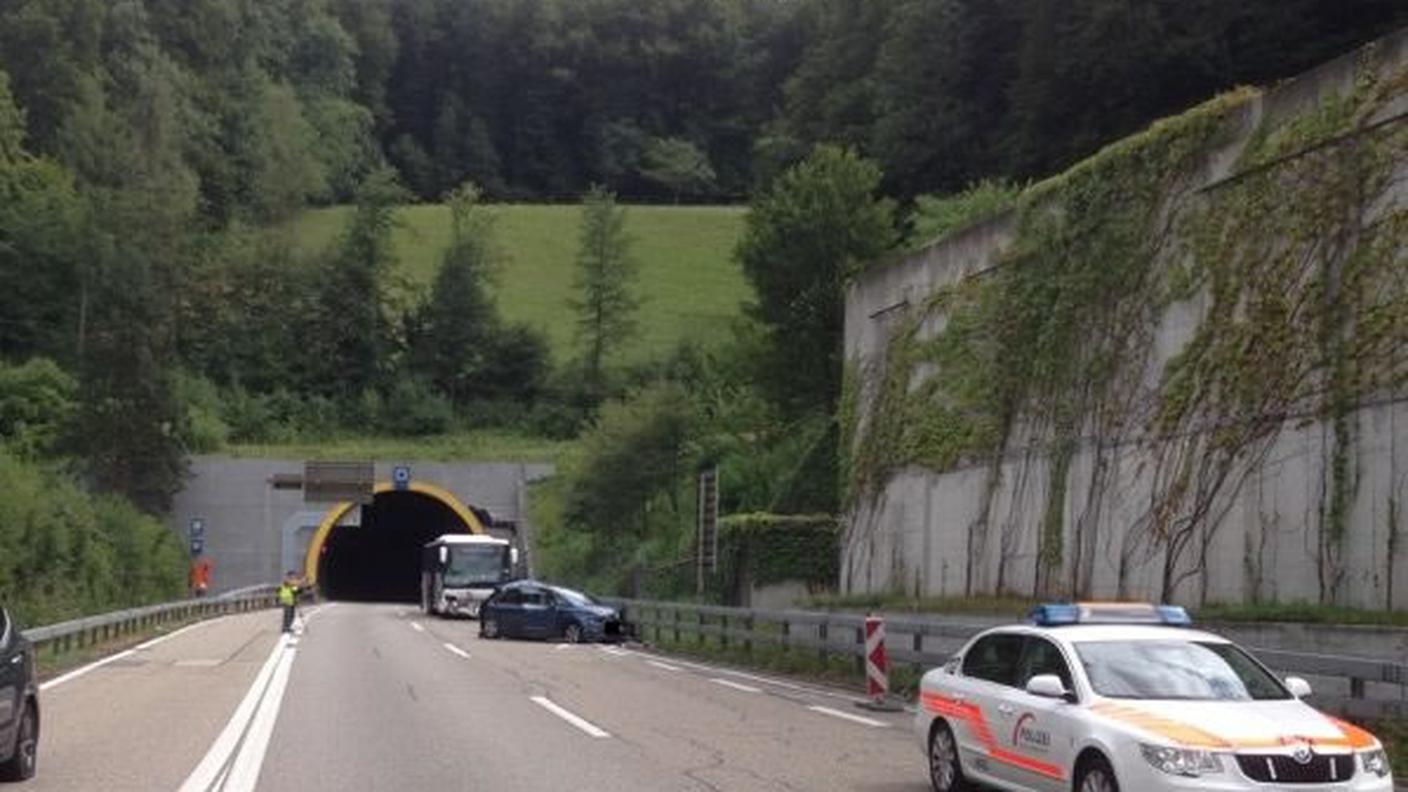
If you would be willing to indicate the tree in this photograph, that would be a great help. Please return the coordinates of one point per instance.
(817, 224)
(349, 340)
(457, 328)
(678, 165)
(605, 303)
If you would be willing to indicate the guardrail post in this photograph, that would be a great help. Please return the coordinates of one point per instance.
(723, 631)
(860, 654)
(701, 627)
(677, 624)
(786, 635)
(1356, 688)
(822, 637)
(748, 639)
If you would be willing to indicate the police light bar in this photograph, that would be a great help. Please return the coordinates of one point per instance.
(1057, 614)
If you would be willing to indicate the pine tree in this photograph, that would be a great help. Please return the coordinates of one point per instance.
(605, 302)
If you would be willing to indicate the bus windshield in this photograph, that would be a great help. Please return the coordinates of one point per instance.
(477, 565)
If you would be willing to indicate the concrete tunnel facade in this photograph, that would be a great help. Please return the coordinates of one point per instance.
(253, 533)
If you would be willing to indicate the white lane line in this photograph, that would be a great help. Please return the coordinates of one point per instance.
(78, 672)
(663, 666)
(614, 652)
(560, 647)
(416, 626)
(765, 680)
(244, 770)
(848, 716)
(456, 650)
(735, 685)
(580, 723)
(160, 638)
(213, 764)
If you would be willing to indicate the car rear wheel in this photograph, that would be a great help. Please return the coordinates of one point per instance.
(572, 633)
(945, 772)
(489, 628)
(1096, 776)
(25, 759)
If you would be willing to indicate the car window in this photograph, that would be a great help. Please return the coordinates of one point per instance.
(511, 597)
(994, 658)
(1185, 670)
(535, 597)
(1043, 657)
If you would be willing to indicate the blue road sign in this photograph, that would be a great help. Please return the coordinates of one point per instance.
(197, 546)
(197, 527)
(401, 476)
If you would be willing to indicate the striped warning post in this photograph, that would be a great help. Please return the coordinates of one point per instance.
(877, 667)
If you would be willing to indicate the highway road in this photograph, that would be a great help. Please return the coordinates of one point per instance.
(379, 697)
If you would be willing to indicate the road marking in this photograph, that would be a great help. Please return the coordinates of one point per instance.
(848, 716)
(78, 672)
(456, 650)
(614, 652)
(735, 685)
(160, 638)
(214, 765)
(665, 666)
(580, 723)
(765, 680)
(560, 647)
(416, 626)
(203, 663)
(244, 770)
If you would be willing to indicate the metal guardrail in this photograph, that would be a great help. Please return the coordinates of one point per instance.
(91, 630)
(928, 641)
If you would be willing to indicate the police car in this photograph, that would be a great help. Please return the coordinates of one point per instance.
(1104, 698)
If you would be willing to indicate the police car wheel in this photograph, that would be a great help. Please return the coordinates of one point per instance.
(572, 633)
(490, 628)
(945, 772)
(1096, 776)
(25, 758)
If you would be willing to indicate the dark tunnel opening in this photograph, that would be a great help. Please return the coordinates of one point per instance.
(379, 560)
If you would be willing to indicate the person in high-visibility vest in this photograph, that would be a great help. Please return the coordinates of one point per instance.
(288, 598)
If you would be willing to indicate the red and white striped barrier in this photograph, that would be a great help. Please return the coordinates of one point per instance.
(877, 665)
(877, 668)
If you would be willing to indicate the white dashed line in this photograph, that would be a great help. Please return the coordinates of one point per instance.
(735, 685)
(575, 720)
(560, 647)
(848, 716)
(663, 666)
(456, 650)
(416, 626)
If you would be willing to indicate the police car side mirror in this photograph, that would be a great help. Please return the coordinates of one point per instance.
(1298, 687)
(1047, 686)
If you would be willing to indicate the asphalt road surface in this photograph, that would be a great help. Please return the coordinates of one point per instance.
(379, 697)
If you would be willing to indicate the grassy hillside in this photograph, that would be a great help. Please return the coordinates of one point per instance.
(690, 286)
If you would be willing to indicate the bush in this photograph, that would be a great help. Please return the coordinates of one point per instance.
(37, 403)
(205, 427)
(64, 553)
(415, 408)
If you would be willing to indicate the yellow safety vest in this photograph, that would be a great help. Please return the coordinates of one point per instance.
(287, 594)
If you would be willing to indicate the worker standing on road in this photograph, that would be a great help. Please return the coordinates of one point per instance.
(288, 598)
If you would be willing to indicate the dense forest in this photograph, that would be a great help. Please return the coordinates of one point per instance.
(152, 153)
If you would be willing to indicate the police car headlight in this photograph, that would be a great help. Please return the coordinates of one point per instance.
(1181, 761)
(1376, 762)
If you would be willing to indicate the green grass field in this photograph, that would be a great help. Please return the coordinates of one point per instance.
(689, 285)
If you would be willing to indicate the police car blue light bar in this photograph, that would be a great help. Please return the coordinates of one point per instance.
(1063, 613)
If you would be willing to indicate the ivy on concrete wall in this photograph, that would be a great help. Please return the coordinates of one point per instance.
(1294, 271)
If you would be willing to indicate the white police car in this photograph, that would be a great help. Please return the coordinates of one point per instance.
(1110, 697)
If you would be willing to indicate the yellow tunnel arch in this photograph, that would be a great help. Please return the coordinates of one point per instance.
(339, 510)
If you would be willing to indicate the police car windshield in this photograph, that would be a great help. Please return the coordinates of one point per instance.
(1184, 670)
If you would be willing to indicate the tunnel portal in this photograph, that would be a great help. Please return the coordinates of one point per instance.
(379, 560)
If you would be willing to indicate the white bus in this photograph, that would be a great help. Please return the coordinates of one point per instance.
(459, 571)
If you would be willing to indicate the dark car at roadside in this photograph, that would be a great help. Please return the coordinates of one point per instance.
(530, 609)
(19, 703)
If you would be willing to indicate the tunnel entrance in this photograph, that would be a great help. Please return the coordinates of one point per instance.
(379, 559)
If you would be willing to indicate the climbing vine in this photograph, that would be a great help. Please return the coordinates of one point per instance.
(1293, 269)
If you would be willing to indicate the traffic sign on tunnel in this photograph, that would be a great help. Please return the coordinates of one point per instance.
(401, 476)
